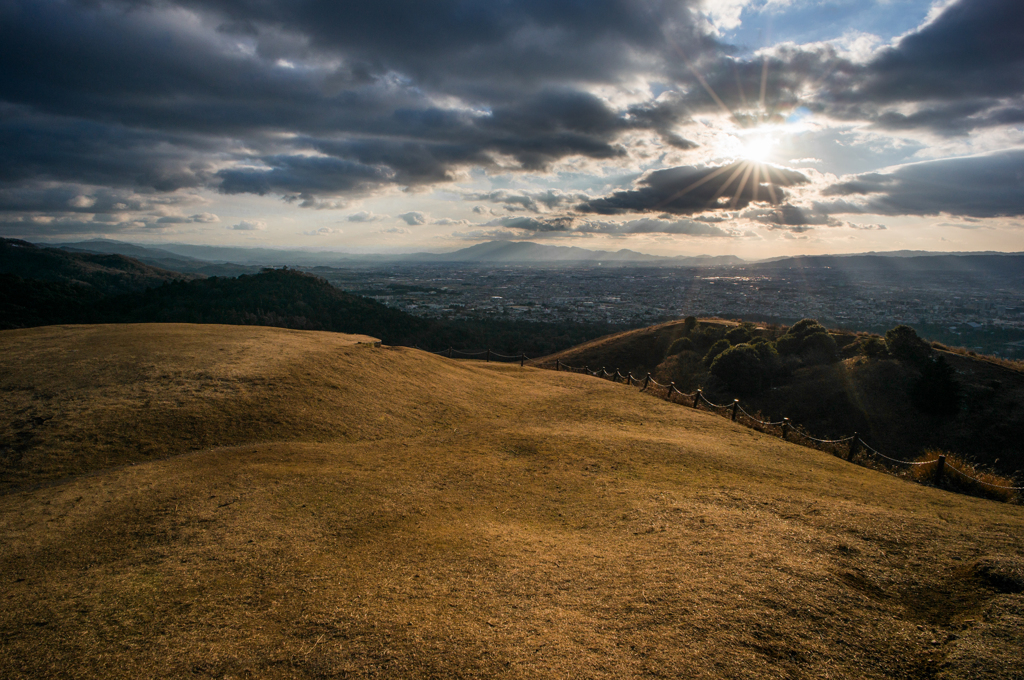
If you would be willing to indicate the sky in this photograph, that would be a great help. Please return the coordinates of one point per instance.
(756, 128)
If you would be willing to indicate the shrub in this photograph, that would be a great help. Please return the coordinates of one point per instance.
(703, 337)
(873, 347)
(716, 349)
(904, 344)
(681, 345)
(738, 335)
(689, 323)
(771, 364)
(741, 368)
(809, 340)
(685, 369)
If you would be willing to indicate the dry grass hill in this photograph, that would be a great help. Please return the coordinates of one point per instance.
(871, 396)
(246, 502)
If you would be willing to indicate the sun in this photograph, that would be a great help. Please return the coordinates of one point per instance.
(757, 146)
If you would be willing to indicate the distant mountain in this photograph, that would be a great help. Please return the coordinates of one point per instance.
(197, 258)
(885, 265)
(526, 252)
(107, 274)
(159, 257)
(234, 261)
(40, 286)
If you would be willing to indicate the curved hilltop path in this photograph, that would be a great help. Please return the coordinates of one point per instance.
(215, 501)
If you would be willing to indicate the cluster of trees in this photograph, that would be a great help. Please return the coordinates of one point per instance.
(746, 360)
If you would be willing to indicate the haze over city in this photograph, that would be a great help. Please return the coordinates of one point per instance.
(757, 128)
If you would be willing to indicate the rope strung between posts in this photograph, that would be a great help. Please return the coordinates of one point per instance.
(508, 356)
(713, 405)
(895, 460)
(975, 479)
(824, 441)
(762, 422)
(648, 381)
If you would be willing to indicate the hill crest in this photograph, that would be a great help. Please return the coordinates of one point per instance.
(346, 508)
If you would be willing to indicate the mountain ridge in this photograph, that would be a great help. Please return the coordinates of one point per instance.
(193, 257)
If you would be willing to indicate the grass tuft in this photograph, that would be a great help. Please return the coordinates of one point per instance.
(984, 484)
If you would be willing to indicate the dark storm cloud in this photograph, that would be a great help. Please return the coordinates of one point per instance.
(83, 199)
(69, 149)
(974, 48)
(304, 177)
(962, 71)
(470, 42)
(977, 186)
(144, 94)
(688, 189)
(100, 224)
(310, 99)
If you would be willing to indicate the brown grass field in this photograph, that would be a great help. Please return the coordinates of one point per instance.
(241, 502)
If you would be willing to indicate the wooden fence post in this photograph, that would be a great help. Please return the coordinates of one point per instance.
(647, 381)
(671, 390)
(853, 447)
(696, 397)
(735, 405)
(939, 469)
(785, 428)
(488, 355)
(557, 365)
(522, 358)
(449, 352)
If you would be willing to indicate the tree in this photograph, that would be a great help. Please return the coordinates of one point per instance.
(689, 323)
(770, 362)
(872, 346)
(741, 368)
(680, 345)
(716, 349)
(904, 344)
(809, 340)
(738, 335)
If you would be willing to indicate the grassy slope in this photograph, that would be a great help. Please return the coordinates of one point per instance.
(639, 350)
(361, 511)
(871, 397)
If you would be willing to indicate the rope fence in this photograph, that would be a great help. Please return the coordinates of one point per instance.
(844, 447)
(489, 355)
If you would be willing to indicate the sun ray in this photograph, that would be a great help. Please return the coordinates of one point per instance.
(734, 175)
(743, 183)
(686, 190)
(739, 86)
(771, 185)
(757, 181)
(764, 88)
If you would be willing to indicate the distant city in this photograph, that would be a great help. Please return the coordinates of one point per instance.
(972, 300)
(981, 312)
